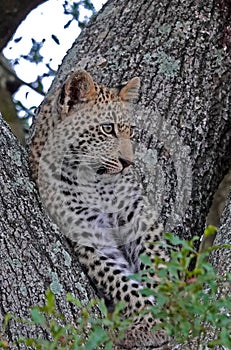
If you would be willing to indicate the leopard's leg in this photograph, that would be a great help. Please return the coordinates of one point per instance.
(153, 245)
(109, 274)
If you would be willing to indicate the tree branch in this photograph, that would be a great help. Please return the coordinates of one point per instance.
(13, 12)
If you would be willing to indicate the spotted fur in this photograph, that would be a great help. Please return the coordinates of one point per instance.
(82, 160)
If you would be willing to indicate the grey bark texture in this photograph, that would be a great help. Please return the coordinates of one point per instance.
(181, 52)
(221, 258)
(34, 255)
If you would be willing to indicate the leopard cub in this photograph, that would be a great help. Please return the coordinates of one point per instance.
(82, 160)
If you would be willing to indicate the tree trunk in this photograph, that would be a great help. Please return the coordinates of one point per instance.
(34, 255)
(180, 50)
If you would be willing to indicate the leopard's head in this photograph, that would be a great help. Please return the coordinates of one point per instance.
(100, 123)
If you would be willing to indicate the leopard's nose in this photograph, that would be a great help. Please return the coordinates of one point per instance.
(125, 162)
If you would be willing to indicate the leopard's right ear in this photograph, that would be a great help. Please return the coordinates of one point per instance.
(130, 91)
(78, 88)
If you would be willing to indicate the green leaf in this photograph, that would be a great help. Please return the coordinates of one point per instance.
(18, 39)
(103, 307)
(145, 259)
(71, 299)
(7, 318)
(56, 40)
(119, 307)
(4, 344)
(147, 292)
(96, 338)
(210, 231)
(28, 341)
(37, 317)
(50, 300)
(109, 346)
(172, 238)
(225, 337)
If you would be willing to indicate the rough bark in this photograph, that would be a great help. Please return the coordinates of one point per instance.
(221, 258)
(34, 255)
(12, 13)
(180, 51)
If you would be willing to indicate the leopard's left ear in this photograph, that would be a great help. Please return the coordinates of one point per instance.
(78, 88)
(130, 91)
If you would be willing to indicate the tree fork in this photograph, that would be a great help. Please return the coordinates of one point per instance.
(179, 52)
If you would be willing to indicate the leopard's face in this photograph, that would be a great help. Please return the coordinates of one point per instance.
(103, 137)
(103, 129)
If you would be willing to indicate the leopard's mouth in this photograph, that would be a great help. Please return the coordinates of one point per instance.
(102, 170)
(120, 167)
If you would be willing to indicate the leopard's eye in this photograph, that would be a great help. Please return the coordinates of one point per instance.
(107, 128)
(132, 131)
